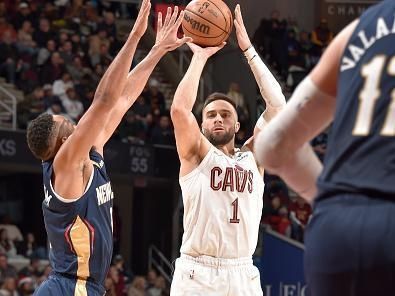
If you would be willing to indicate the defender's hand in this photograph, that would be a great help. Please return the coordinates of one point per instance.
(141, 23)
(241, 32)
(205, 52)
(166, 36)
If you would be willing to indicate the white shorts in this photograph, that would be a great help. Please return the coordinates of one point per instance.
(209, 276)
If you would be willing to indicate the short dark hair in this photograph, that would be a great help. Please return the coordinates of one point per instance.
(39, 134)
(219, 96)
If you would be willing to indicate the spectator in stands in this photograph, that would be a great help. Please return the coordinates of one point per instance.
(23, 14)
(152, 275)
(241, 107)
(32, 106)
(141, 109)
(61, 85)
(258, 38)
(26, 286)
(276, 33)
(45, 274)
(154, 96)
(320, 37)
(284, 224)
(108, 25)
(8, 57)
(56, 108)
(8, 288)
(241, 137)
(32, 270)
(30, 249)
(132, 129)
(53, 69)
(119, 264)
(300, 212)
(271, 215)
(137, 288)
(6, 244)
(66, 52)
(77, 69)
(6, 270)
(14, 232)
(118, 281)
(72, 104)
(110, 286)
(159, 289)
(44, 53)
(163, 133)
(306, 47)
(25, 43)
(43, 33)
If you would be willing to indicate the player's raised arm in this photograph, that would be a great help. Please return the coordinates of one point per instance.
(282, 147)
(106, 96)
(166, 40)
(269, 88)
(191, 144)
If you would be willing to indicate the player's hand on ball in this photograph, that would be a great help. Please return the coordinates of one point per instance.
(166, 36)
(141, 23)
(241, 32)
(205, 52)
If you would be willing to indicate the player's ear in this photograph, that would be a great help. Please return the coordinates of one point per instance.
(237, 126)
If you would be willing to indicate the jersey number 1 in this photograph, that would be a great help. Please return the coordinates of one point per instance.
(235, 205)
(370, 93)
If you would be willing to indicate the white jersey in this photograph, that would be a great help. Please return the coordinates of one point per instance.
(223, 200)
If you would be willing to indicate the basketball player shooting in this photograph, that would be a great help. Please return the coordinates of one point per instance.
(222, 187)
(350, 246)
(78, 196)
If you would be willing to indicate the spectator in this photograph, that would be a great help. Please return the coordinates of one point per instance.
(25, 43)
(118, 281)
(108, 25)
(60, 85)
(53, 69)
(14, 233)
(284, 225)
(154, 96)
(8, 288)
(44, 53)
(132, 129)
(119, 264)
(6, 245)
(6, 270)
(32, 106)
(77, 70)
(141, 109)
(300, 215)
(110, 286)
(8, 57)
(23, 14)
(43, 34)
(30, 249)
(159, 289)
(242, 110)
(320, 37)
(26, 286)
(151, 278)
(66, 52)
(32, 270)
(72, 104)
(271, 215)
(276, 34)
(137, 288)
(163, 133)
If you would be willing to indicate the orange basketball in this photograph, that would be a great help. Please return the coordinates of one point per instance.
(208, 22)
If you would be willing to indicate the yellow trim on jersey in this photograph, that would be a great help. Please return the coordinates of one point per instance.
(80, 238)
(96, 164)
(80, 288)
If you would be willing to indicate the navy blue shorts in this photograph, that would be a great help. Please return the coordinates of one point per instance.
(350, 247)
(58, 285)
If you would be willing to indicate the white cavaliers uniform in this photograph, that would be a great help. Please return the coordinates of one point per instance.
(223, 200)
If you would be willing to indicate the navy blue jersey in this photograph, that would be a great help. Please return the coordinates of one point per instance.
(361, 148)
(80, 231)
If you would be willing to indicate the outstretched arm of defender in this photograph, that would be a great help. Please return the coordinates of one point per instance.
(191, 144)
(166, 40)
(78, 145)
(269, 87)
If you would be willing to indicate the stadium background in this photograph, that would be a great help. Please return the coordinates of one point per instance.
(142, 161)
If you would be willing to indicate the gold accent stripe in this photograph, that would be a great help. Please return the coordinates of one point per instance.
(80, 238)
(80, 288)
(96, 164)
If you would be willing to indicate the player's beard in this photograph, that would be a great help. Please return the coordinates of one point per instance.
(220, 139)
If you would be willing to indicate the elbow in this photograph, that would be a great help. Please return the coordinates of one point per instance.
(177, 111)
(270, 152)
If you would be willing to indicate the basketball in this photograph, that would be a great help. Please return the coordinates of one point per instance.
(208, 22)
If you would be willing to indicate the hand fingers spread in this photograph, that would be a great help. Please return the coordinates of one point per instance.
(174, 16)
(180, 18)
(168, 15)
(159, 21)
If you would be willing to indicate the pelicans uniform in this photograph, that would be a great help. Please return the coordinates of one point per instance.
(223, 200)
(80, 235)
(350, 242)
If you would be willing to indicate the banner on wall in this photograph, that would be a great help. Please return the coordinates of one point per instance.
(281, 266)
(339, 13)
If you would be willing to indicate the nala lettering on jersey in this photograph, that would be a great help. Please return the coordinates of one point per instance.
(104, 193)
(232, 179)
